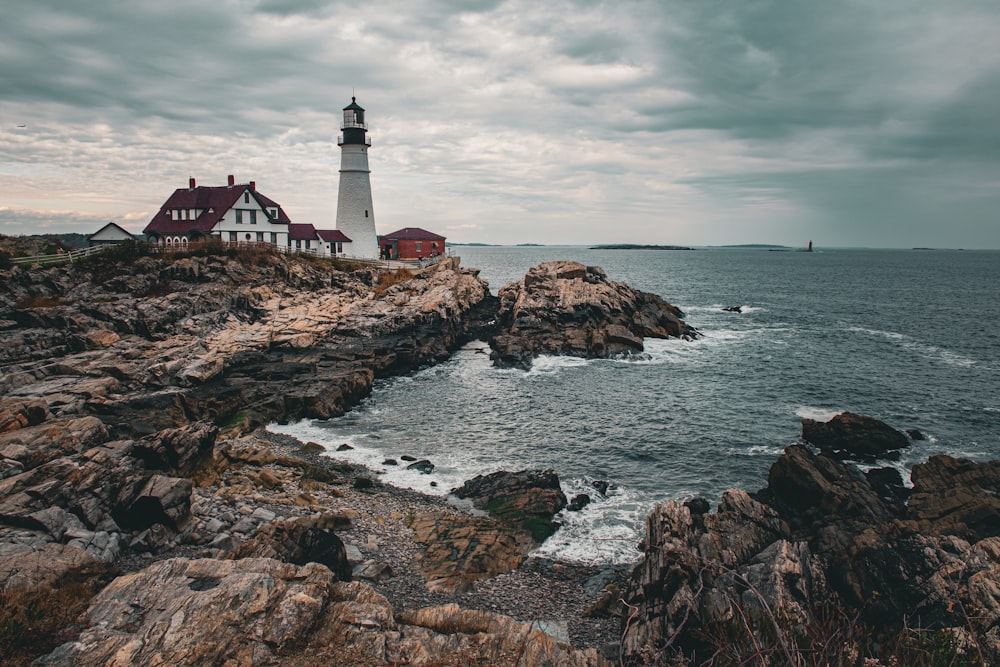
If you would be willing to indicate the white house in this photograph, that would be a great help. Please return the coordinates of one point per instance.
(237, 213)
(109, 234)
(234, 213)
(304, 237)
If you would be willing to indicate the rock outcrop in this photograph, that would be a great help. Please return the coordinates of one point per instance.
(570, 309)
(260, 611)
(527, 500)
(820, 537)
(159, 342)
(855, 437)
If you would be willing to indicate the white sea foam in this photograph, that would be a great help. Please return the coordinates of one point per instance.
(769, 451)
(891, 335)
(446, 474)
(924, 349)
(818, 414)
(607, 530)
(550, 364)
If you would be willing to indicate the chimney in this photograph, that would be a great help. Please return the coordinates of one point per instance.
(232, 180)
(191, 182)
(253, 185)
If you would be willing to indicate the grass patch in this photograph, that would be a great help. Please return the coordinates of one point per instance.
(387, 279)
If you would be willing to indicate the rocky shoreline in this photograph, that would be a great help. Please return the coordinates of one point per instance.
(137, 482)
(134, 391)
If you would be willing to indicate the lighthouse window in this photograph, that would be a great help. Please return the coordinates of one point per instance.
(366, 213)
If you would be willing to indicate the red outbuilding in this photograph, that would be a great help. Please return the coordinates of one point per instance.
(411, 243)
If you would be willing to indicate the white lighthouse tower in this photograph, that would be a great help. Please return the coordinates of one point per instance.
(355, 217)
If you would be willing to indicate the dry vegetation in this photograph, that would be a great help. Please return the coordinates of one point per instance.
(35, 622)
(387, 279)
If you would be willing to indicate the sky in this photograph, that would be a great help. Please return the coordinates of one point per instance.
(692, 122)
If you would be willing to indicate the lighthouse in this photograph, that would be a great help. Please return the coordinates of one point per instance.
(355, 217)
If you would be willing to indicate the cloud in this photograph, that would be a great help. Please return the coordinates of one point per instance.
(513, 121)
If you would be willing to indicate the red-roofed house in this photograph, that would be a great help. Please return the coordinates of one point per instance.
(411, 243)
(235, 213)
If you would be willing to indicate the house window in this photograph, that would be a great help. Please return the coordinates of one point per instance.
(274, 213)
(434, 246)
(253, 217)
(307, 244)
(248, 236)
(184, 240)
(260, 237)
(274, 238)
(191, 215)
(340, 246)
(417, 243)
(246, 197)
(168, 241)
(298, 244)
(239, 216)
(184, 214)
(232, 237)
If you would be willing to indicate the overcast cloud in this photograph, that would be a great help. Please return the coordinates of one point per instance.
(851, 123)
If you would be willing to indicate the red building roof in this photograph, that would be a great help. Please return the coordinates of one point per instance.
(332, 235)
(301, 231)
(412, 234)
(213, 201)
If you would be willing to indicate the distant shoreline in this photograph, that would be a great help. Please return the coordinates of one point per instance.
(635, 246)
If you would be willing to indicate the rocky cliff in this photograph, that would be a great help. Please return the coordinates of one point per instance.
(820, 568)
(130, 382)
(571, 309)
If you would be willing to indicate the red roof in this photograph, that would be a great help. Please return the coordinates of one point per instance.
(332, 235)
(413, 234)
(213, 201)
(301, 231)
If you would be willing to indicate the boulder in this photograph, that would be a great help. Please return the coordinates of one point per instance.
(578, 502)
(299, 541)
(458, 550)
(259, 611)
(527, 500)
(855, 437)
(423, 466)
(956, 497)
(820, 536)
(571, 309)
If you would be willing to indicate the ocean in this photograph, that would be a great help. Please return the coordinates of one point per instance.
(911, 337)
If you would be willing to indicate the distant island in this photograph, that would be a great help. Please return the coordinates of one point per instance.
(477, 245)
(768, 246)
(635, 246)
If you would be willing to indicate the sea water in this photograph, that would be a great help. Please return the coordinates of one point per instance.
(910, 337)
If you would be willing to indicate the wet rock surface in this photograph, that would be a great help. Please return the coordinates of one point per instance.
(820, 535)
(526, 500)
(571, 309)
(855, 437)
